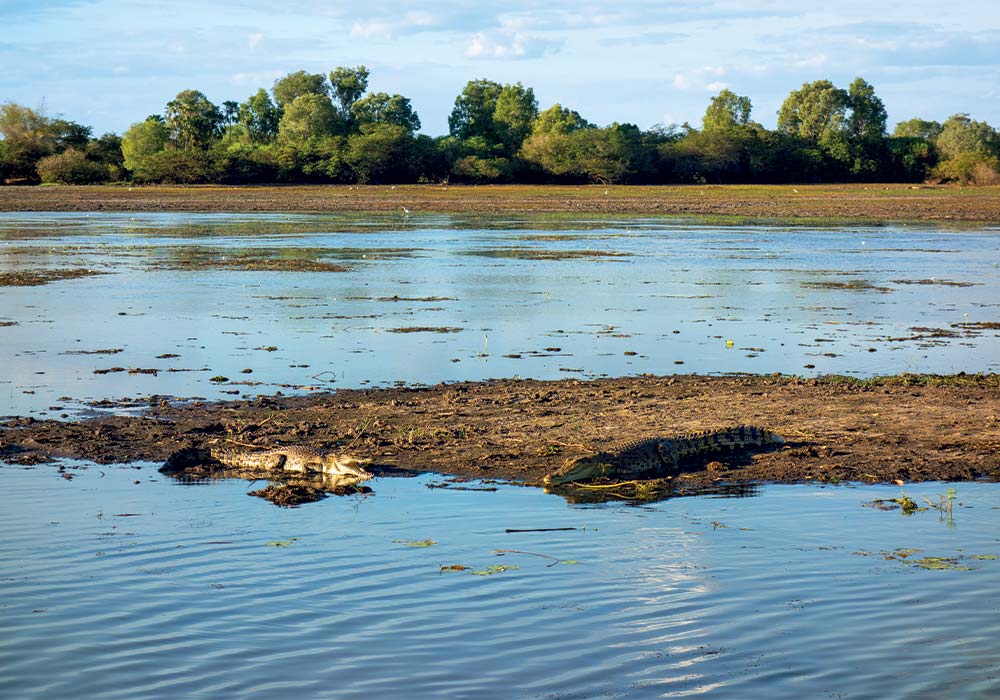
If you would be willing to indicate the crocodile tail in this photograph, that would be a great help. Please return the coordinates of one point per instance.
(739, 437)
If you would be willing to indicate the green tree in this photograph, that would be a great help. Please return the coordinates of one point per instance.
(71, 167)
(347, 85)
(961, 134)
(816, 111)
(182, 166)
(918, 128)
(294, 85)
(382, 109)
(559, 120)
(473, 112)
(27, 137)
(308, 116)
(382, 153)
(867, 119)
(141, 141)
(513, 115)
(192, 119)
(260, 116)
(726, 111)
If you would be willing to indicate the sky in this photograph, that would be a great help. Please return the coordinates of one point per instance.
(110, 63)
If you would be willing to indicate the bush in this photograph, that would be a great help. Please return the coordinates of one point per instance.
(179, 167)
(970, 168)
(71, 167)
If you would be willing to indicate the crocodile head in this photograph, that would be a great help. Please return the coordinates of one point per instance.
(582, 469)
(346, 465)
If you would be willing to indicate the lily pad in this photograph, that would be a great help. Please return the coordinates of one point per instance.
(494, 569)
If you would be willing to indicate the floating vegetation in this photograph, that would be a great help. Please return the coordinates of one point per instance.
(932, 280)
(399, 298)
(905, 555)
(494, 569)
(109, 351)
(35, 278)
(416, 543)
(852, 286)
(282, 543)
(425, 329)
(978, 325)
(518, 253)
(260, 260)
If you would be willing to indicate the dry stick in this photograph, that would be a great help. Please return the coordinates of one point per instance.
(501, 552)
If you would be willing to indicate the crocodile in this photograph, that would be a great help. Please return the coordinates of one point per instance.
(660, 456)
(293, 458)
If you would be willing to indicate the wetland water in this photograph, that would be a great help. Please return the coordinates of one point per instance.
(190, 298)
(123, 583)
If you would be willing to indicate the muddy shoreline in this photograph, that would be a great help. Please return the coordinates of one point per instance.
(894, 429)
(856, 202)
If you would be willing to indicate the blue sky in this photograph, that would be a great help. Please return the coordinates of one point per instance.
(108, 63)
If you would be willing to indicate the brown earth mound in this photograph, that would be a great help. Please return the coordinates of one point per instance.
(903, 428)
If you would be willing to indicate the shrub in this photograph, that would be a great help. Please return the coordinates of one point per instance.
(969, 168)
(71, 167)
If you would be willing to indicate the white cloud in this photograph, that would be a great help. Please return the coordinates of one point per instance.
(253, 40)
(703, 78)
(255, 78)
(515, 45)
(371, 30)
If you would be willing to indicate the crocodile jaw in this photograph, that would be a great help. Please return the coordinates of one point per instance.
(583, 469)
(348, 466)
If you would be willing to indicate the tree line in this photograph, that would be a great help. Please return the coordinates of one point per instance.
(312, 127)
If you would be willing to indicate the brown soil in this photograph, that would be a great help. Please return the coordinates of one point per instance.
(904, 428)
(868, 202)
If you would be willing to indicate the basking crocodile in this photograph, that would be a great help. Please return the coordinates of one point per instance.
(660, 456)
(293, 458)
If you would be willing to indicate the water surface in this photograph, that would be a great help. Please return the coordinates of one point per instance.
(785, 595)
(438, 298)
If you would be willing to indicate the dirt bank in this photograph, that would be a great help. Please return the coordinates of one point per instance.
(905, 428)
(868, 202)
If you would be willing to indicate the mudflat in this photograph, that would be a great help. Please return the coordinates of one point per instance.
(858, 202)
(902, 428)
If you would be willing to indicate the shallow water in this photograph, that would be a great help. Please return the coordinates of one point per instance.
(508, 297)
(784, 595)
(124, 583)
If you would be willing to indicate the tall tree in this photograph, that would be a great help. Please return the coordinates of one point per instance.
(260, 116)
(559, 120)
(347, 85)
(308, 116)
(192, 119)
(727, 110)
(296, 84)
(381, 109)
(142, 140)
(513, 115)
(472, 114)
(816, 111)
(962, 134)
(918, 129)
(867, 120)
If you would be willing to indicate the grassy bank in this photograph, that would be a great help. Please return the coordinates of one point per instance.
(799, 203)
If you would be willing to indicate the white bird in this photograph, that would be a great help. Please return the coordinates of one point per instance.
(405, 210)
